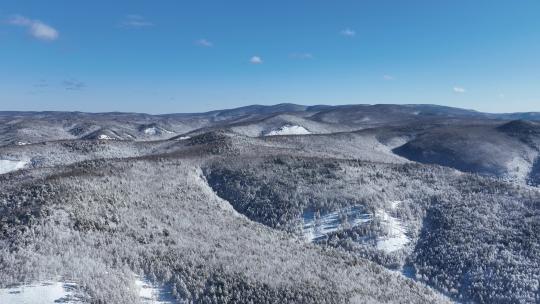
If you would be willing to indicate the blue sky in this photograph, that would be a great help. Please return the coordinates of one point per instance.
(189, 56)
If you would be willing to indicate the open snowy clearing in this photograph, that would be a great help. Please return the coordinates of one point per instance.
(156, 131)
(396, 238)
(151, 294)
(63, 292)
(105, 137)
(288, 130)
(151, 131)
(40, 293)
(317, 226)
(11, 165)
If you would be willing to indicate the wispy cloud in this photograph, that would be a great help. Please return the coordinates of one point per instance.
(135, 22)
(73, 84)
(39, 87)
(204, 43)
(459, 90)
(36, 28)
(388, 77)
(256, 60)
(301, 56)
(42, 83)
(347, 32)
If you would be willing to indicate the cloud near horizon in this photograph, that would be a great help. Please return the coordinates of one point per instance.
(459, 90)
(73, 84)
(36, 28)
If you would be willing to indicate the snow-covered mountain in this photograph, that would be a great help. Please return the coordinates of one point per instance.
(270, 204)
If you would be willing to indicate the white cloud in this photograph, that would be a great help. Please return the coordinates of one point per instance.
(256, 60)
(301, 56)
(348, 32)
(204, 43)
(36, 28)
(135, 22)
(73, 84)
(388, 77)
(459, 90)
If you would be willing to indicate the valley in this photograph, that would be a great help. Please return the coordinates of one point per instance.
(267, 204)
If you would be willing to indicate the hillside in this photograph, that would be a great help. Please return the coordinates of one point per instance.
(271, 204)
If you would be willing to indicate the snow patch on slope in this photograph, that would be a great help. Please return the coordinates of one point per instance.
(395, 238)
(105, 137)
(518, 169)
(40, 293)
(151, 131)
(11, 165)
(288, 130)
(156, 131)
(316, 226)
(152, 294)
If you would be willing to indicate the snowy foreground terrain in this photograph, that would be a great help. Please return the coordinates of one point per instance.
(11, 165)
(62, 292)
(151, 294)
(271, 204)
(40, 293)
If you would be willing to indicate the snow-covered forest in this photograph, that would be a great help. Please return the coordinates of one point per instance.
(248, 209)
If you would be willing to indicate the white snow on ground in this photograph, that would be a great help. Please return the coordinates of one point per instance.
(151, 294)
(151, 131)
(11, 165)
(40, 293)
(167, 131)
(288, 130)
(104, 137)
(519, 168)
(396, 238)
(184, 137)
(395, 204)
(22, 143)
(156, 131)
(64, 292)
(317, 226)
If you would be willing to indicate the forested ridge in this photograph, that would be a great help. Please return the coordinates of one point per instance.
(279, 204)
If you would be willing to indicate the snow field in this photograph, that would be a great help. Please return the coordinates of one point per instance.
(11, 165)
(288, 130)
(316, 226)
(40, 293)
